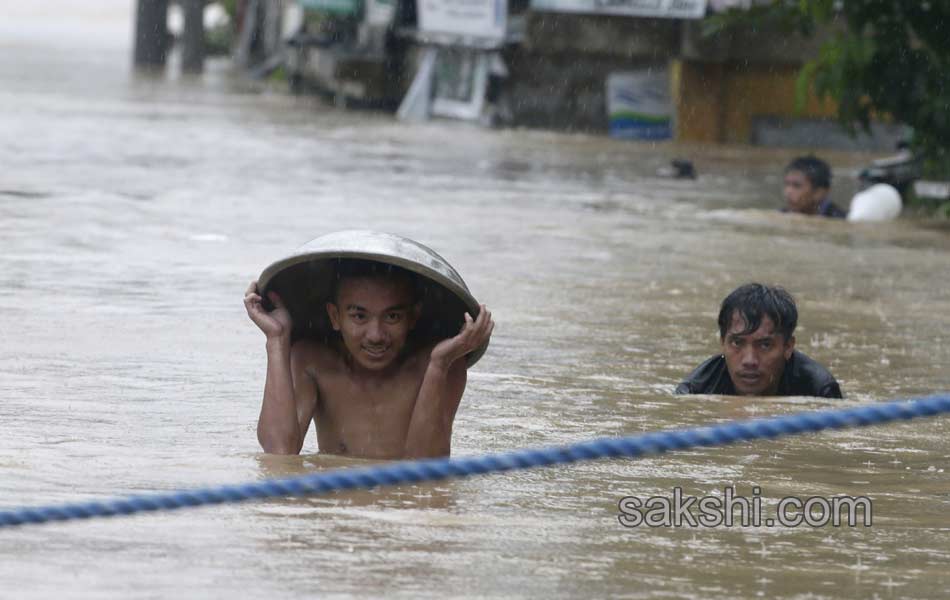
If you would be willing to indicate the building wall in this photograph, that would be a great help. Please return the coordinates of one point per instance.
(720, 102)
(736, 86)
(721, 84)
(599, 35)
(557, 76)
(562, 91)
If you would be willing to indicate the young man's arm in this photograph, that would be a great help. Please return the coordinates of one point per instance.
(430, 428)
(290, 398)
(290, 394)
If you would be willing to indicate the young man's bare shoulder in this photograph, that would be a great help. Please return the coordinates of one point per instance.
(419, 357)
(418, 361)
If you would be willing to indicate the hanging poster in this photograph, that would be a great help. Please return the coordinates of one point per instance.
(671, 9)
(380, 12)
(334, 7)
(484, 19)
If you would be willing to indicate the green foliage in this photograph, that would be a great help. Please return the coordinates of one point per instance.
(218, 41)
(782, 17)
(886, 57)
(278, 75)
(220, 38)
(230, 7)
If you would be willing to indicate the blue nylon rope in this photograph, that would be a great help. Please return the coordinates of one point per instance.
(444, 468)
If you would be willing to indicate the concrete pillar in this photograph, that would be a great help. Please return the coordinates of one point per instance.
(193, 37)
(248, 33)
(273, 10)
(151, 33)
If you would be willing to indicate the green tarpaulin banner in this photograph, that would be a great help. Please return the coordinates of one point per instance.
(336, 7)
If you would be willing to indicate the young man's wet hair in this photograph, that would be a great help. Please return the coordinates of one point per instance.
(815, 170)
(752, 301)
(357, 268)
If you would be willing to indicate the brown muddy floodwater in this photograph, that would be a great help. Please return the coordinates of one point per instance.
(133, 212)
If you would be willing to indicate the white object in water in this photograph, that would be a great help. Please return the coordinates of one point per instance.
(880, 202)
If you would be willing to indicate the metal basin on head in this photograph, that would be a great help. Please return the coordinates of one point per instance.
(304, 281)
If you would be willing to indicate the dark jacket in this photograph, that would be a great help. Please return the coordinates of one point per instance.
(802, 377)
(827, 208)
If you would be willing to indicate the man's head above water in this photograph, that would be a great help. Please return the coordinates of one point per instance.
(756, 329)
(374, 306)
(758, 355)
(806, 184)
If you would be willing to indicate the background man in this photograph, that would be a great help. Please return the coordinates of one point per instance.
(806, 186)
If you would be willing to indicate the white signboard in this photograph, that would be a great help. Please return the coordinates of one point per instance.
(380, 12)
(466, 18)
(672, 9)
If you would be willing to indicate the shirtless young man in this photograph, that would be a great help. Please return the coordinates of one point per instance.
(372, 392)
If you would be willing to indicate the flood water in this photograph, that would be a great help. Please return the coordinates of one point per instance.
(134, 210)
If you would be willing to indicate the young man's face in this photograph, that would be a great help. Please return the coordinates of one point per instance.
(756, 360)
(374, 317)
(800, 195)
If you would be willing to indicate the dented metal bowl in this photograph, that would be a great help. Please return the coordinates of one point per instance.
(304, 281)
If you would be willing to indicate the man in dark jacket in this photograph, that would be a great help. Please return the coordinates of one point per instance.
(756, 330)
(806, 187)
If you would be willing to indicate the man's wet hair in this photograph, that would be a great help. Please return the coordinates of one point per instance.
(357, 268)
(752, 301)
(816, 170)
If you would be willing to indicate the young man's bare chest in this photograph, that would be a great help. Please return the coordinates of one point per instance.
(364, 416)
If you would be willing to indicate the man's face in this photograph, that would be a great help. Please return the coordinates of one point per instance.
(756, 360)
(374, 317)
(800, 195)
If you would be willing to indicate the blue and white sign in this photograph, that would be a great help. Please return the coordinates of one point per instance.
(639, 105)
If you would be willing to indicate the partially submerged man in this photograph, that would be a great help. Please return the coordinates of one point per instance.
(806, 188)
(371, 390)
(756, 331)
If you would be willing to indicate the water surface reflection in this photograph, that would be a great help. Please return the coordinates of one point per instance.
(133, 212)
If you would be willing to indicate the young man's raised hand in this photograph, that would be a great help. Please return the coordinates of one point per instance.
(473, 335)
(275, 324)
